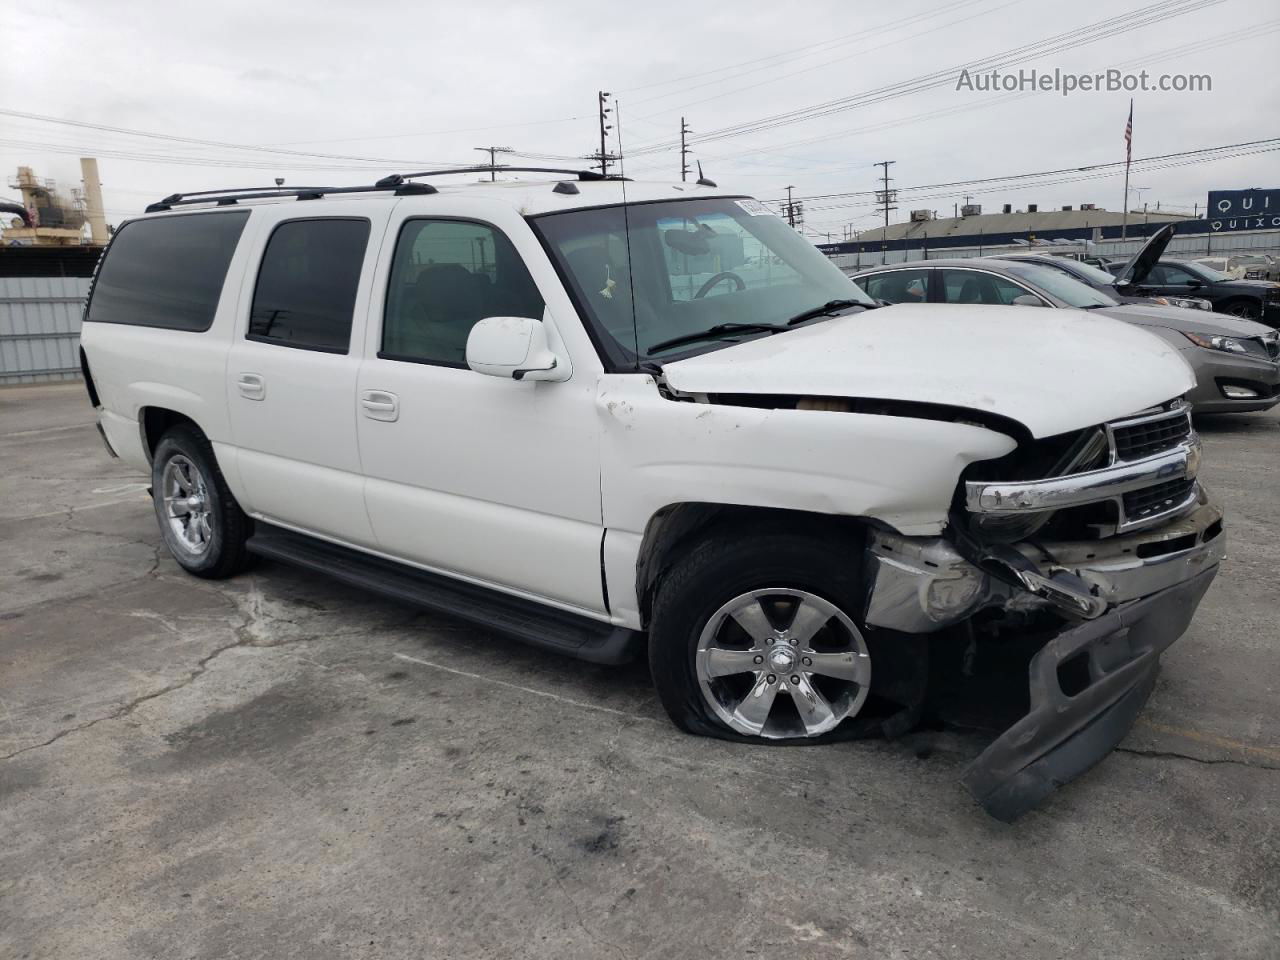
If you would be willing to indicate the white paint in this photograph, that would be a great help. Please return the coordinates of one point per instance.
(1051, 373)
(523, 486)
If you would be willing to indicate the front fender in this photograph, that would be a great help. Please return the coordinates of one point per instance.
(900, 470)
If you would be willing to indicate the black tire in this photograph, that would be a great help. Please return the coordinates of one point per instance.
(714, 570)
(1243, 308)
(223, 554)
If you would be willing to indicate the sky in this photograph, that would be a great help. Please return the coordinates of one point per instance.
(343, 93)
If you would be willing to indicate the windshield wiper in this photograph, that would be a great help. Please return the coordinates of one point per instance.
(826, 308)
(719, 330)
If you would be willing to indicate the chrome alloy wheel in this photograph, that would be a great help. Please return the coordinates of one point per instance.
(186, 507)
(780, 640)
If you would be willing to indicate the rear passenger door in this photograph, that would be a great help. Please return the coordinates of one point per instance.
(979, 286)
(898, 286)
(292, 368)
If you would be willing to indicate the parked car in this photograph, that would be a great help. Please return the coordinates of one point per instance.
(1105, 281)
(609, 417)
(1249, 266)
(1248, 299)
(1236, 362)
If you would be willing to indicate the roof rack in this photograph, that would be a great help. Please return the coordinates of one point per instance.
(398, 178)
(224, 198)
(399, 183)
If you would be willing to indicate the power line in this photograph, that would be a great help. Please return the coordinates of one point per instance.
(1110, 27)
(774, 79)
(768, 62)
(174, 138)
(1197, 153)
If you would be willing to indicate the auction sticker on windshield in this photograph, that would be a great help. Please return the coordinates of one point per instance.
(753, 207)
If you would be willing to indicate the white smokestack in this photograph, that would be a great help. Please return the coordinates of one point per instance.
(93, 201)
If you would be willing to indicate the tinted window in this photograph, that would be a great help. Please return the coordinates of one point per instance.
(166, 272)
(448, 275)
(898, 286)
(307, 284)
(970, 286)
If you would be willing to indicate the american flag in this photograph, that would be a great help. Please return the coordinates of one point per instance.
(1128, 135)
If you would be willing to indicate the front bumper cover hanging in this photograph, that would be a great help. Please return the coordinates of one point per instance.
(1064, 735)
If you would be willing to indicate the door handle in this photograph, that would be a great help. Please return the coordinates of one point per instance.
(380, 405)
(252, 386)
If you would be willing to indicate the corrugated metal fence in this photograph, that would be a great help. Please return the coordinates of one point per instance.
(40, 328)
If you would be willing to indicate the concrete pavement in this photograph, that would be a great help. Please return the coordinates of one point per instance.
(278, 766)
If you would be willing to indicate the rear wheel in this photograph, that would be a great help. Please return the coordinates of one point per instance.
(756, 638)
(202, 525)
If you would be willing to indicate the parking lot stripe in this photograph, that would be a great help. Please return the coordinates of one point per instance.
(537, 693)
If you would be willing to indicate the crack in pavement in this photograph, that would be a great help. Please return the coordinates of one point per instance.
(253, 632)
(1172, 755)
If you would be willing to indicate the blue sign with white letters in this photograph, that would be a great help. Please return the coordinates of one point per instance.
(1226, 204)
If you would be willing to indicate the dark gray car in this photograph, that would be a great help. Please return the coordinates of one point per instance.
(1237, 362)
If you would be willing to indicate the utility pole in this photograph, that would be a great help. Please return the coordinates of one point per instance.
(493, 163)
(684, 150)
(602, 97)
(791, 210)
(885, 198)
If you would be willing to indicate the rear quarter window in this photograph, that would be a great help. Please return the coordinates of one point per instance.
(166, 272)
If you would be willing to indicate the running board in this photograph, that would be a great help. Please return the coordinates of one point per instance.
(525, 620)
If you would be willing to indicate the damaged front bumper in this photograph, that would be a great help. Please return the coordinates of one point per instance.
(1064, 734)
(1124, 599)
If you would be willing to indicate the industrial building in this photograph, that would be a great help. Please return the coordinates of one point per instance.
(1246, 221)
(44, 230)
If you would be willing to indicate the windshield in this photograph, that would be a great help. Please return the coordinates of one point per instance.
(693, 264)
(1066, 288)
(1203, 272)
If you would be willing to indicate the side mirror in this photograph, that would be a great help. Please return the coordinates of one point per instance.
(1026, 300)
(514, 348)
(1194, 283)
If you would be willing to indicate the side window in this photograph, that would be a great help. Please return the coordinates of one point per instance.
(166, 272)
(446, 276)
(1177, 275)
(972, 286)
(307, 283)
(898, 286)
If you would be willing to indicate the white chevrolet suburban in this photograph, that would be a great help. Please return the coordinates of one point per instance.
(605, 416)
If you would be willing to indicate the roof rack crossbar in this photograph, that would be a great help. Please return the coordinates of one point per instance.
(498, 168)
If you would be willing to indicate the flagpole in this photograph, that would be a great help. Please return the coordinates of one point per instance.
(1128, 155)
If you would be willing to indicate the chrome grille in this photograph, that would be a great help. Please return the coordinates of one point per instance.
(1149, 434)
(1141, 504)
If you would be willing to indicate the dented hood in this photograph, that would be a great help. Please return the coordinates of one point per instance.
(1050, 370)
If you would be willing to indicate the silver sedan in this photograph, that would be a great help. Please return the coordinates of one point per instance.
(1237, 362)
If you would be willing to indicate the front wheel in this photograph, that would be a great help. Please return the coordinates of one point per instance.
(756, 638)
(1244, 309)
(202, 525)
